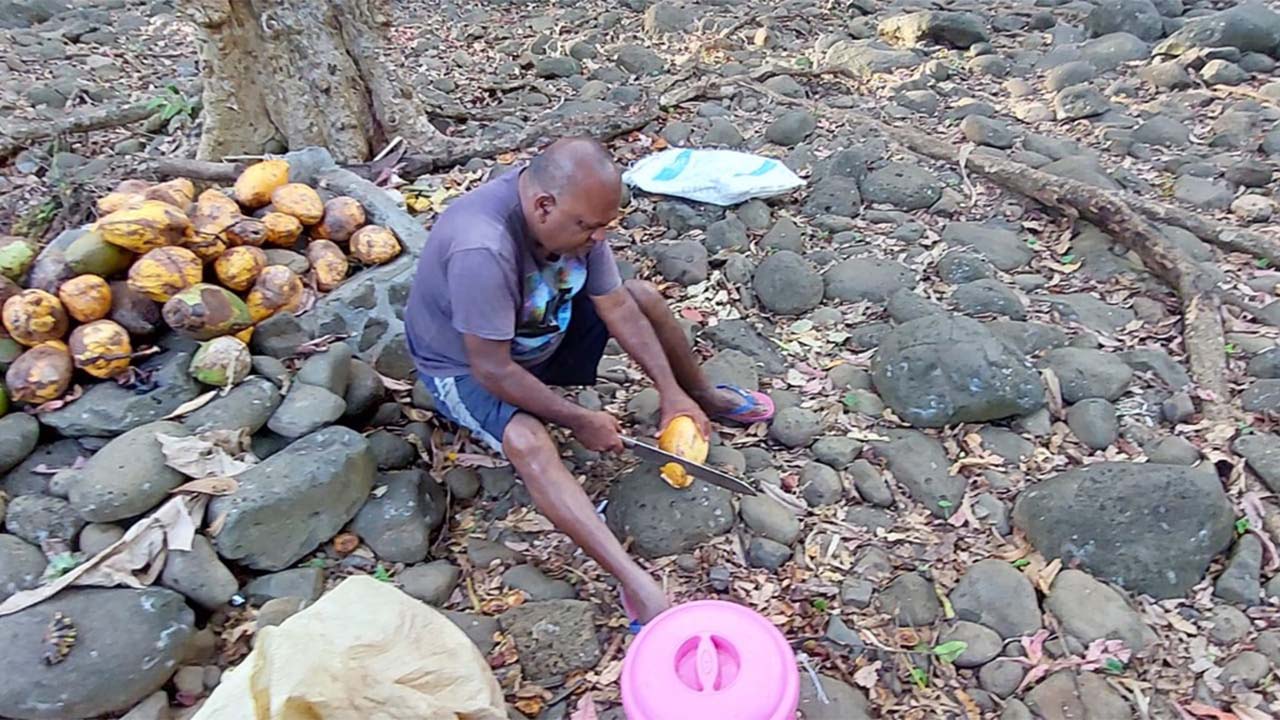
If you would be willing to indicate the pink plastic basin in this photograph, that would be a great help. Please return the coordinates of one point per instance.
(710, 660)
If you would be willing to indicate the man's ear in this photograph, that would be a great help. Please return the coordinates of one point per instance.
(543, 205)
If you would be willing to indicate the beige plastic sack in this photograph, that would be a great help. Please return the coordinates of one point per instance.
(364, 651)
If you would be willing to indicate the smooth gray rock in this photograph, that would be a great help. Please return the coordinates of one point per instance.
(919, 463)
(940, 370)
(727, 234)
(1262, 452)
(306, 583)
(770, 518)
(988, 297)
(127, 477)
(910, 601)
(431, 583)
(1090, 610)
(867, 58)
(199, 575)
(1003, 248)
(19, 433)
(248, 405)
(791, 128)
(129, 644)
(21, 565)
(1203, 193)
(330, 369)
(1117, 520)
(398, 525)
(1078, 102)
(957, 29)
(870, 279)
(787, 284)
(820, 484)
(1248, 27)
(796, 427)
(305, 409)
(1241, 580)
(1094, 422)
(982, 643)
(1067, 694)
(834, 195)
(995, 594)
(958, 266)
(902, 186)
(1086, 373)
(1137, 17)
(767, 554)
(843, 701)
(290, 503)
(683, 262)
(1248, 668)
(1001, 677)
(40, 518)
(662, 520)
(537, 585)
(838, 452)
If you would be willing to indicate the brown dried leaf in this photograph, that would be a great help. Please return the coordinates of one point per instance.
(192, 405)
(346, 543)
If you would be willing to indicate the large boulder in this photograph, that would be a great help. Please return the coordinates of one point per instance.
(940, 370)
(1249, 27)
(128, 476)
(661, 520)
(108, 409)
(1119, 520)
(290, 503)
(128, 644)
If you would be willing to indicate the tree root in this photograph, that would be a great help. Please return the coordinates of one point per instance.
(1201, 302)
(1215, 233)
(17, 139)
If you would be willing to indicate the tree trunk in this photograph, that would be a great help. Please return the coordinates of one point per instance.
(294, 73)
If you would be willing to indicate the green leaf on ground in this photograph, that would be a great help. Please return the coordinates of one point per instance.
(850, 401)
(920, 678)
(1242, 526)
(1021, 563)
(1113, 666)
(946, 504)
(820, 605)
(382, 573)
(947, 652)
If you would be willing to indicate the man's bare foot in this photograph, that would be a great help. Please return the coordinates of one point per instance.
(717, 402)
(645, 598)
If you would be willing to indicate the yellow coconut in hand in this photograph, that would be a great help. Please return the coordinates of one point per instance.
(34, 316)
(40, 374)
(342, 217)
(328, 263)
(101, 348)
(299, 201)
(164, 272)
(374, 245)
(682, 437)
(86, 298)
(254, 186)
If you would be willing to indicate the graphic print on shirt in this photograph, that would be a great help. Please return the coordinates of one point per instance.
(548, 304)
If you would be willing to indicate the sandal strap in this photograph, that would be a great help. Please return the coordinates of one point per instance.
(749, 401)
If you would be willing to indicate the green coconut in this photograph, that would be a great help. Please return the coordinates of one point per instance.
(89, 254)
(16, 256)
(205, 311)
(221, 362)
(10, 349)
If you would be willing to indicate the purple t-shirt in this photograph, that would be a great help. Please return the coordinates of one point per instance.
(477, 275)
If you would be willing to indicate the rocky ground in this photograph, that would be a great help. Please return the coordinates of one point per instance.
(987, 434)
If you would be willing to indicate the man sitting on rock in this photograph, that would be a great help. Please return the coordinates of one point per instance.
(517, 290)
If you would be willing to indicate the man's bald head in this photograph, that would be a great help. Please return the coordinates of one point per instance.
(570, 193)
(573, 162)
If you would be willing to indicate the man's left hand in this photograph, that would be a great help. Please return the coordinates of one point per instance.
(675, 404)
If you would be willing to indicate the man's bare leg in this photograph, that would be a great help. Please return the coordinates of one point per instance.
(558, 495)
(684, 365)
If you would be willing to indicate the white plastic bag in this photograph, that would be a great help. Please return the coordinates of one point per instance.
(718, 177)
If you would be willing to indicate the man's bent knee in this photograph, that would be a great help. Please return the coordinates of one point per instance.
(524, 437)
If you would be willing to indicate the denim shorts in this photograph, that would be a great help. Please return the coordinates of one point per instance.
(462, 399)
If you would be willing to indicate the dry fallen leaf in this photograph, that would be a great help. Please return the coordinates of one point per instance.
(346, 543)
(867, 677)
(192, 405)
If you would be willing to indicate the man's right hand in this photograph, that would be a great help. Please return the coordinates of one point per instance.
(598, 431)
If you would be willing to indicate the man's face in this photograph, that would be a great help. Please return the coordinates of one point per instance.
(571, 222)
